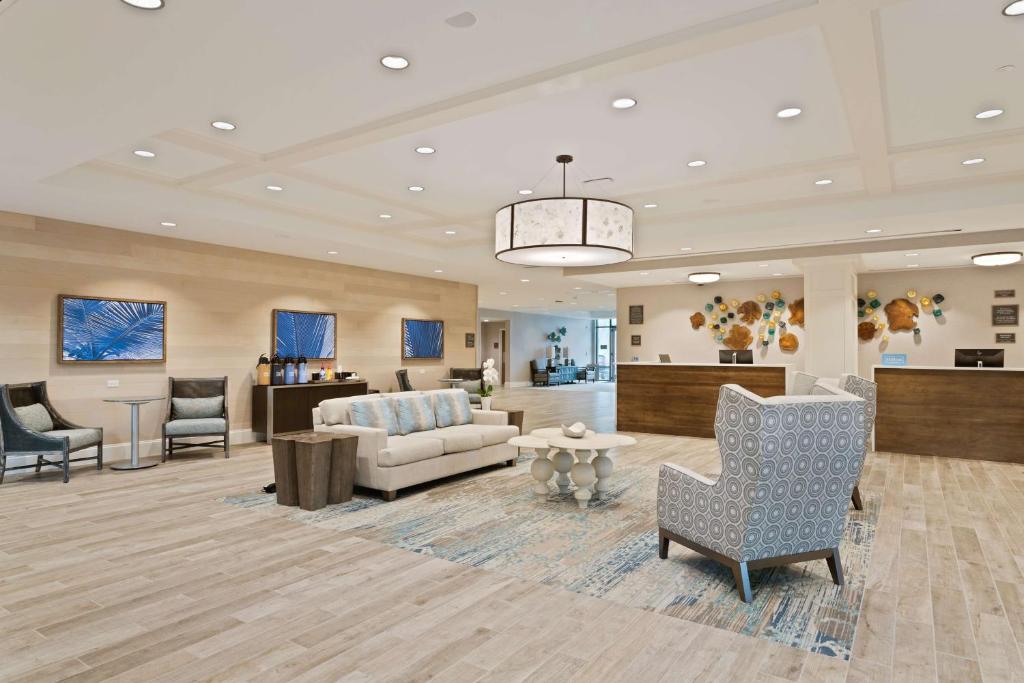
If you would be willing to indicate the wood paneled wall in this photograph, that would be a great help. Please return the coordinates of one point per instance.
(219, 302)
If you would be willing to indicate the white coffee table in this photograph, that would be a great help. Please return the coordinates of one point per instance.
(585, 473)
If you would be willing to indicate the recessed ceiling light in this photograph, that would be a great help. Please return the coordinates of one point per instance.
(914, 253)
(696, 163)
(776, 274)
(525, 192)
(998, 258)
(385, 216)
(685, 248)
(425, 150)
(650, 206)
(1014, 9)
(168, 224)
(912, 265)
(989, 114)
(704, 278)
(972, 162)
(823, 181)
(415, 188)
(789, 112)
(577, 288)
(502, 293)
(438, 270)
(394, 62)
(645, 273)
(144, 153)
(223, 125)
(332, 253)
(275, 188)
(624, 103)
(155, 4)
(873, 231)
(524, 280)
(762, 265)
(449, 232)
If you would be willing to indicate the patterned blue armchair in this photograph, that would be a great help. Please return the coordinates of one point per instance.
(789, 465)
(867, 390)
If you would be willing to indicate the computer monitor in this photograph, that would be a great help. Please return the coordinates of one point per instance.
(664, 358)
(978, 358)
(745, 357)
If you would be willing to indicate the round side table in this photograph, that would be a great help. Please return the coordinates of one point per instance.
(135, 402)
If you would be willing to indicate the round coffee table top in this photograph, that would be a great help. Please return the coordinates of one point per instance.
(527, 441)
(591, 441)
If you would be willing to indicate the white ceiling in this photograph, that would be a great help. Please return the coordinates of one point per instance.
(889, 90)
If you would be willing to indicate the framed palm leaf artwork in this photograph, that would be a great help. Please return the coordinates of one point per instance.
(305, 333)
(422, 339)
(98, 330)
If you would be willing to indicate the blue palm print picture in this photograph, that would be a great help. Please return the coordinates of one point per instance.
(111, 330)
(422, 338)
(299, 333)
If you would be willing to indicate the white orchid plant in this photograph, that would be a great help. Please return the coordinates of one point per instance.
(491, 377)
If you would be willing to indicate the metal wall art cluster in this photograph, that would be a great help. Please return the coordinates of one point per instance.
(902, 314)
(731, 322)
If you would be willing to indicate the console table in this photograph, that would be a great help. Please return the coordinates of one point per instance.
(281, 408)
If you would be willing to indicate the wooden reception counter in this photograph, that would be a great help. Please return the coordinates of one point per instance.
(953, 412)
(681, 398)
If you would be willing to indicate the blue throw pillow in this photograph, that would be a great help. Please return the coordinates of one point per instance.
(378, 413)
(452, 408)
(415, 414)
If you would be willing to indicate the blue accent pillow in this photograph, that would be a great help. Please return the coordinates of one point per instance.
(378, 413)
(415, 414)
(452, 408)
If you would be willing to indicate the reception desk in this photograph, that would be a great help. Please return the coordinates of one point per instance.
(953, 412)
(681, 398)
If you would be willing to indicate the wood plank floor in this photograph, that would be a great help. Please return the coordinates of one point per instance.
(144, 576)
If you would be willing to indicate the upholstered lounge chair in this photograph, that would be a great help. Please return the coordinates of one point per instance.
(473, 384)
(200, 414)
(30, 425)
(801, 384)
(540, 374)
(867, 390)
(789, 464)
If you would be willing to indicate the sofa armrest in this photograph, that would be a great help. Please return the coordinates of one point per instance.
(318, 419)
(690, 473)
(371, 440)
(489, 417)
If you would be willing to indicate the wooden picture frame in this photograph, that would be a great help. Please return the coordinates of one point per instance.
(407, 344)
(63, 299)
(1006, 315)
(634, 340)
(333, 328)
(636, 314)
(471, 340)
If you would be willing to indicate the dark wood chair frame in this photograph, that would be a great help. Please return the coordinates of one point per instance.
(741, 570)
(403, 380)
(195, 387)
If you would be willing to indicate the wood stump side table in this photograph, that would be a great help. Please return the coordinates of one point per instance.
(313, 469)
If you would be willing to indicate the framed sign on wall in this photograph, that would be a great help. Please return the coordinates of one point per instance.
(99, 330)
(1006, 293)
(1006, 337)
(470, 340)
(636, 315)
(634, 340)
(1006, 315)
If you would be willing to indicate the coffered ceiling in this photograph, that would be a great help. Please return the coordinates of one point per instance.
(889, 91)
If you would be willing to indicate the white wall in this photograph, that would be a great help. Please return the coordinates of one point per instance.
(966, 320)
(667, 328)
(527, 339)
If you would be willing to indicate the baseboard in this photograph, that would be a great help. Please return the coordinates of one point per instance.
(123, 451)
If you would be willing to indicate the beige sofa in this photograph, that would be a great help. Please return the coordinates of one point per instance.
(389, 463)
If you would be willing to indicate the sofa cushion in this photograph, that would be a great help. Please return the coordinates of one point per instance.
(197, 408)
(402, 394)
(415, 414)
(454, 439)
(337, 411)
(402, 450)
(451, 407)
(492, 435)
(378, 413)
(35, 416)
(201, 425)
(79, 438)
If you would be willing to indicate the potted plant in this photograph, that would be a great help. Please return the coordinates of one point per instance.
(490, 377)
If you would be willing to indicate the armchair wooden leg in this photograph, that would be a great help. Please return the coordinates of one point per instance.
(662, 545)
(835, 567)
(742, 576)
(227, 445)
(99, 456)
(389, 496)
(66, 464)
(857, 503)
(168, 444)
(39, 464)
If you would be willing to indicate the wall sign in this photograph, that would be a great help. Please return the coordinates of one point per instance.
(1006, 314)
(1006, 293)
(1006, 337)
(634, 340)
(894, 359)
(470, 340)
(636, 315)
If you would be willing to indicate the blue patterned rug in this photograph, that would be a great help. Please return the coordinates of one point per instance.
(492, 520)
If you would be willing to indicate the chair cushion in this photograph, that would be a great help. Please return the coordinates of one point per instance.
(79, 438)
(202, 425)
(378, 413)
(454, 439)
(415, 414)
(337, 411)
(35, 416)
(451, 407)
(402, 450)
(197, 408)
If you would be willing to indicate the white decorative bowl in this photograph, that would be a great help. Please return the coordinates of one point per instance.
(577, 430)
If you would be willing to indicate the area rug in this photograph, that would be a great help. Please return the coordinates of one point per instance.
(493, 520)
